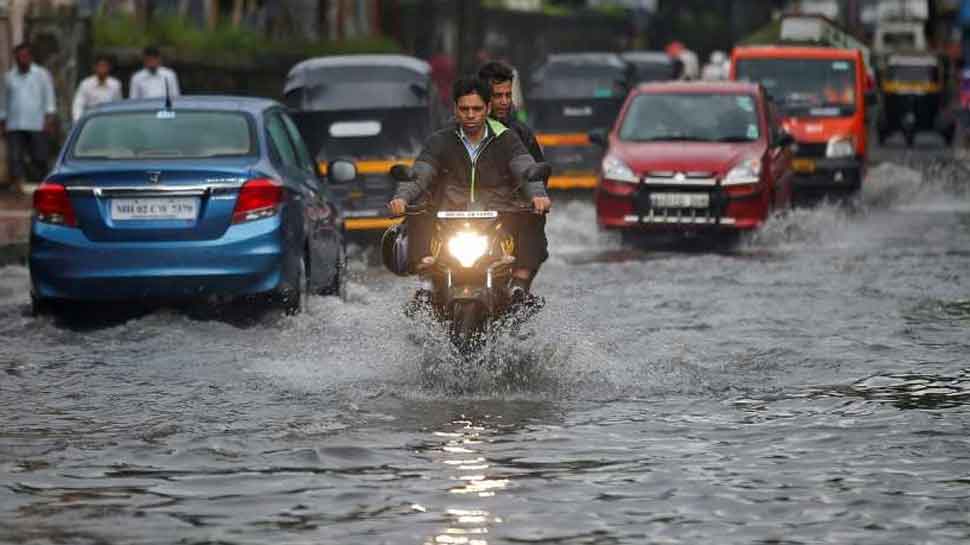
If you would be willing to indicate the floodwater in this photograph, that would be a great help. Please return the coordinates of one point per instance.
(809, 386)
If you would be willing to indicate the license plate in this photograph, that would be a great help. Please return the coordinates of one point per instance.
(680, 200)
(170, 208)
(803, 165)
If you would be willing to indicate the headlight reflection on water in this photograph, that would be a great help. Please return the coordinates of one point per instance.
(467, 247)
(469, 526)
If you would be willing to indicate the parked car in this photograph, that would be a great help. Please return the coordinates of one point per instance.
(376, 110)
(700, 157)
(651, 66)
(572, 94)
(200, 197)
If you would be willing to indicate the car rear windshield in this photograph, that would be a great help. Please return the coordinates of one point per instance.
(165, 135)
(805, 87)
(699, 117)
(572, 81)
(360, 87)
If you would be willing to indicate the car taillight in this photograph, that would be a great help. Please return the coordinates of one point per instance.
(52, 205)
(258, 199)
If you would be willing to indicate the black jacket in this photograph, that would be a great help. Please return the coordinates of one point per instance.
(528, 138)
(445, 172)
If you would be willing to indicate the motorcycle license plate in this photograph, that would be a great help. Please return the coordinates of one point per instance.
(680, 200)
(803, 165)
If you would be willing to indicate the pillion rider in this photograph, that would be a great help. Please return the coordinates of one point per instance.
(501, 80)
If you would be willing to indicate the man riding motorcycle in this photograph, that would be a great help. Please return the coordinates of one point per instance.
(479, 164)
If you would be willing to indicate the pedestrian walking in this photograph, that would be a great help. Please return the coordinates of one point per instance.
(27, 117)
(154, 80)
(96, 89)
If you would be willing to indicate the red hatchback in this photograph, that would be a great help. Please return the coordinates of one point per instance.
(694, 157)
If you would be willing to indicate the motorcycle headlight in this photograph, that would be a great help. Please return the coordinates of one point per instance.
(467, 247)
(618, 171)
(745, 172)
(840, 146)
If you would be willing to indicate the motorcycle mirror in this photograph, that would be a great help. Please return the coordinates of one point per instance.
(341, 171)
(402, 173)
(538, 171)
(598, 137)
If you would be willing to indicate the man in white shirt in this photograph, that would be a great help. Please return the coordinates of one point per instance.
(152, 80)
(96, 89)
(27, 116)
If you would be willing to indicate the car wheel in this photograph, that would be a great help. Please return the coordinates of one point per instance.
(910, 138)
(42, 307)
(338, 287)
(293, 298)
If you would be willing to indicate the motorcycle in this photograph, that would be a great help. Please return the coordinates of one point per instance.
(470, 267)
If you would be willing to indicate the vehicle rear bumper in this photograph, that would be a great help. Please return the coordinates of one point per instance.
(830, 175)
(376, 223)
(65, 264)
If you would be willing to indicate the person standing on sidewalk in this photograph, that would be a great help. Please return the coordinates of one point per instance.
(154, 80)
(96, 89)
(27, 116)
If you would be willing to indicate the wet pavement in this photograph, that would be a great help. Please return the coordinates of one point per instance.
(809, 386)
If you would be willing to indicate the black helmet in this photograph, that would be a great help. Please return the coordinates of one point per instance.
(394, 249)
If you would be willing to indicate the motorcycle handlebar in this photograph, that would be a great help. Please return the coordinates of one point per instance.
(417, 210)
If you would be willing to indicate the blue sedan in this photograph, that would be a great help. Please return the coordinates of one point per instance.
(188, 199)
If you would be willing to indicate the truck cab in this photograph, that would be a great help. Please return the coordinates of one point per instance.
(821, 96)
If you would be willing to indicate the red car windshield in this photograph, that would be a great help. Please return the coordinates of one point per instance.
(700, 117)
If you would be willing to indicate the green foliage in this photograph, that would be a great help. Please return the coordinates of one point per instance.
(232, 44)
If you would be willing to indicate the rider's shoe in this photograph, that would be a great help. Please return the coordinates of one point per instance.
(420, 301)
(521, 297)
(518, 289)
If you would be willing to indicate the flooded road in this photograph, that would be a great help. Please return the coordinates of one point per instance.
(811, 386)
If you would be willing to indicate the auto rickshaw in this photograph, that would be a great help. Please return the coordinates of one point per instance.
(572, 94)
(376, 110)
(914, 97)
(651, 66)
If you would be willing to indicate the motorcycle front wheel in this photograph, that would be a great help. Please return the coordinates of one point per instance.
(467, 325)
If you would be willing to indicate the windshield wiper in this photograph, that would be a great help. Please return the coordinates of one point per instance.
(672, 138)
(735, 139)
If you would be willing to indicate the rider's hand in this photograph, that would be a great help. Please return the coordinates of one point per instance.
(541, 205)
(397, 207)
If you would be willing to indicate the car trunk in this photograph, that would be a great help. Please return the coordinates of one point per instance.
(157, 202)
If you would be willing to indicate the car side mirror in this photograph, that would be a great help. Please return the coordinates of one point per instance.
(783, 139)
(598, 137)
(341, 171)
(419, 90)
(871, 97)
(402, 173)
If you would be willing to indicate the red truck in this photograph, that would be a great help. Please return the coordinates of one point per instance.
(821, 94)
